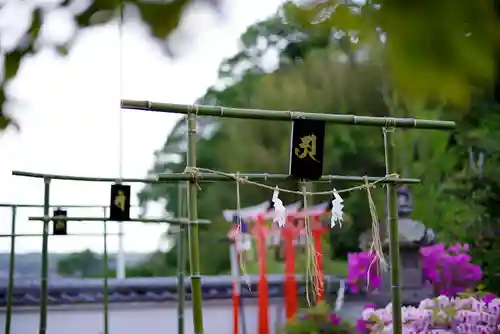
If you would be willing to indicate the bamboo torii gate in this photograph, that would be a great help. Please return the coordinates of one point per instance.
(119, 191)
(193, 176)
(13, 235)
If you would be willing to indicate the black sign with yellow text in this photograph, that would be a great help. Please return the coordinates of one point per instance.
(119, 207)
(59, 226)
(306, 152)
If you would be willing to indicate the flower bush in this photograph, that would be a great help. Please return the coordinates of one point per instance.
(441, 315)
(448, 269)
(318, 320)
(363, 272)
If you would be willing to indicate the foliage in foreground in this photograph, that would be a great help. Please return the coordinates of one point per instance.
(318, 320)
(434, 49)
(448, 269)
(474, 313)
(441, 315)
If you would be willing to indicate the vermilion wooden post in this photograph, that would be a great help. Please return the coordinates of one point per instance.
(263, 297)
(236, 287)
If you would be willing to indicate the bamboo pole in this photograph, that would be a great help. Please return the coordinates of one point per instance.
(105, 292)
(83, 206)
(201, 177)
(194, 254)
(285, 115)
(12, 259)
(24, 235)
(173, 221)
(81, 178)
(392, 218)
(181, 263)
(45, 258)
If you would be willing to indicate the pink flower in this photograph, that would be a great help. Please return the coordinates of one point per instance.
(362, 272)
(334, 319)
(362, 327)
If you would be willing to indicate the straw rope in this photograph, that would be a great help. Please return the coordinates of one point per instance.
(312, 269)
(241, 262)
(196, 172)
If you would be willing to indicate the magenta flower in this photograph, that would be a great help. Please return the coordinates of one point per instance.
(362, 327)
(450, 269)
(334, 319)
(363, 271)
(488, 298)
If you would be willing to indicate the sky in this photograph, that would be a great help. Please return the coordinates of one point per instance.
(68, 110)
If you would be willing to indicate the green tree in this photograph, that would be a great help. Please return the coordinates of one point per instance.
(434, 49)
(157, 264)
(263, 146)
(455, 197)
(82, 264)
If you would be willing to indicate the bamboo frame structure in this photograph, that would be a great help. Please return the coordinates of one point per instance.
(207, 177)
(46, 218)
(192, 111)
(181, 261)
(24, 235)
(13, 235)
(281, 115)
(172, 221)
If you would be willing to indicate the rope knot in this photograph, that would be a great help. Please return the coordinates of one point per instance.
(195, 173)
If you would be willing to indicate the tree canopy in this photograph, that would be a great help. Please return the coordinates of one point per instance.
(319, 74)
(425, 59)
(434, 50)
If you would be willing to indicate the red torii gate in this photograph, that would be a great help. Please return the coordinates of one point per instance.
(290, 232)
(259, 214)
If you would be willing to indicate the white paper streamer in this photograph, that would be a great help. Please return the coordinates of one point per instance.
(337, 209)
(279, 209)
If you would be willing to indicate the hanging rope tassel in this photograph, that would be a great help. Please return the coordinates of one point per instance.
(376, 245)
(312, 269)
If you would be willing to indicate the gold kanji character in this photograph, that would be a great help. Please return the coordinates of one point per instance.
(120, 200)
(307, 147)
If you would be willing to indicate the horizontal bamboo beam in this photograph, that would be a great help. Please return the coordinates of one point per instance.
(173, 221)
(81, 178)
(281, 115)
(66, 235)
(207, 177)
(178, 177)
(72, 206)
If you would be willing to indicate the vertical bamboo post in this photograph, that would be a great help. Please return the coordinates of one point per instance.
(392, 219)
(12, 267)
(105, 292)
(45, 258)
(181, 261)
(194, 254)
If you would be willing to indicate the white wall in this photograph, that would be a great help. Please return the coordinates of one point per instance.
(150, 318)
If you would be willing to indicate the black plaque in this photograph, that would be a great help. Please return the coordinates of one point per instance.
(59, 226)
(119, 207)
(306, 151)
